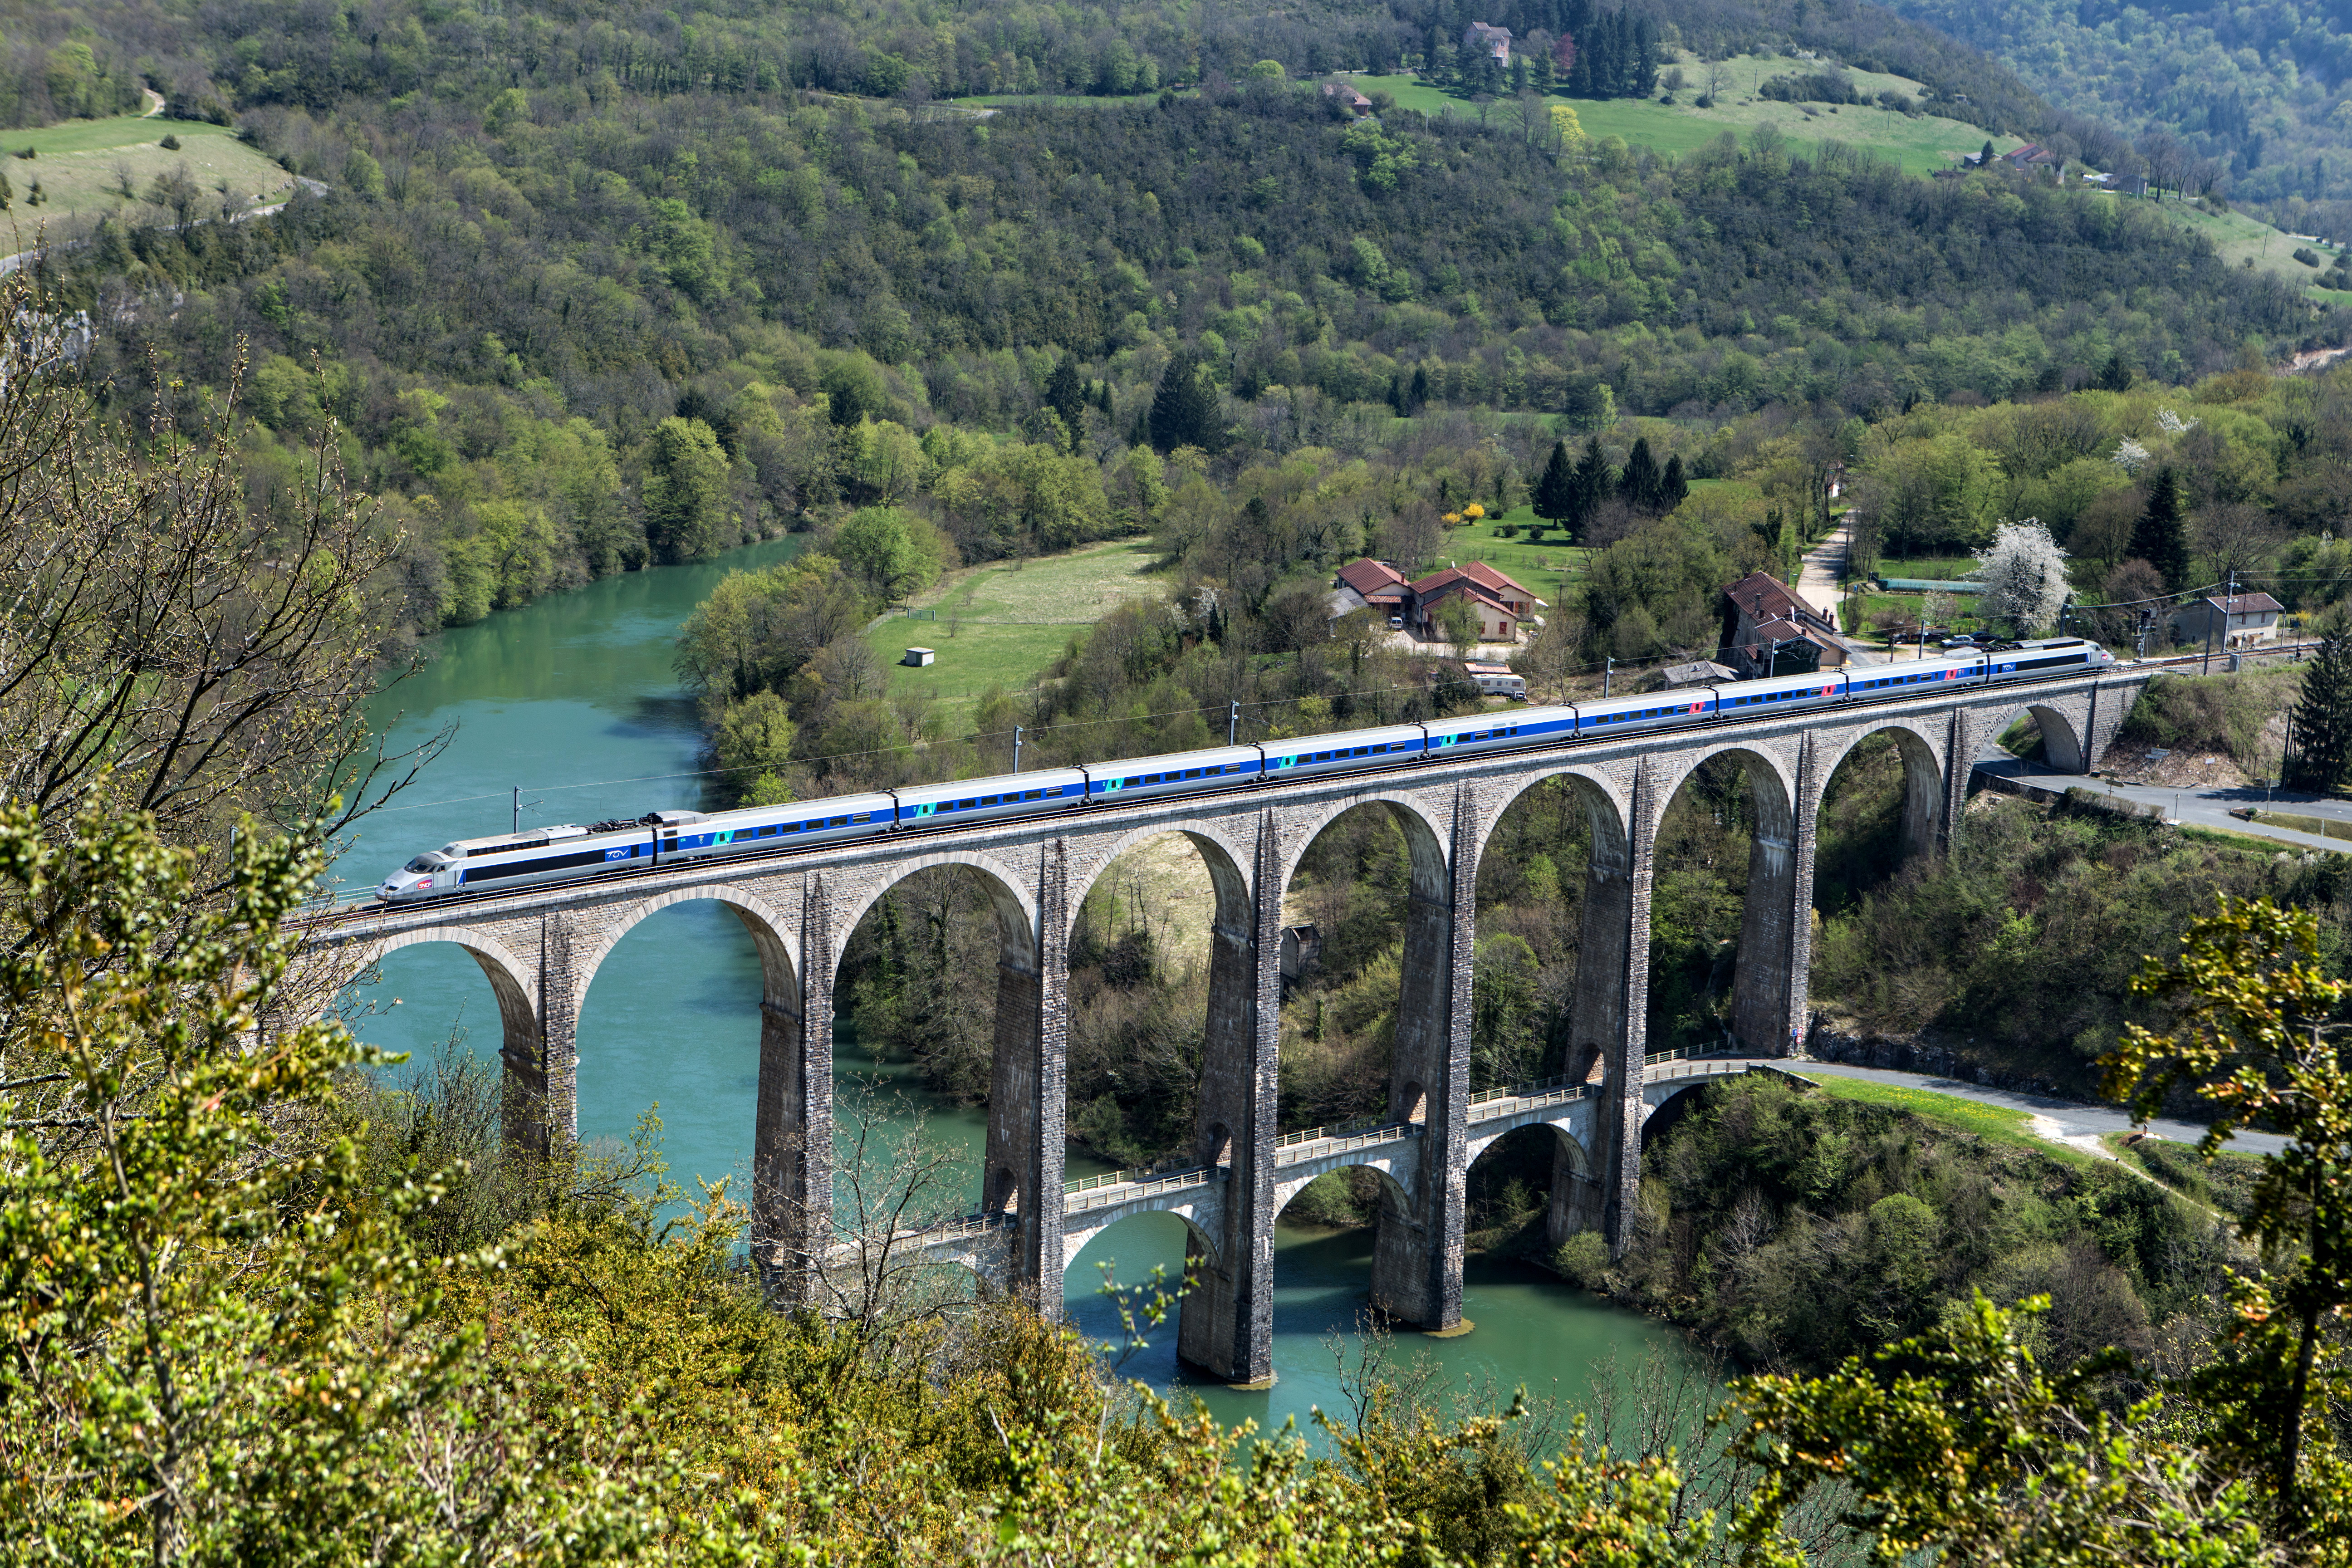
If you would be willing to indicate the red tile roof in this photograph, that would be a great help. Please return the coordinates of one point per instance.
(1368, 577)
(2246, 604)
(1499, 582)
(1446, 584)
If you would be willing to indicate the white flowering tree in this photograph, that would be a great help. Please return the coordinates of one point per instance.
(2024, 577)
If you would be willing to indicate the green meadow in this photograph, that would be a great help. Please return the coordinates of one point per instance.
(1001, 624)
(1920, 143)
(83, 165)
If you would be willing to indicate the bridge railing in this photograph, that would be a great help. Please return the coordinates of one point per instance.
(1522, 1095)
(1335, 1130)
(1360, 1133)
(955, 1229)
(1703, 1068)
(1132, 1174)
(1104, 1196)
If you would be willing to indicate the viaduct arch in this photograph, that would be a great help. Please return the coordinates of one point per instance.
(541, 947)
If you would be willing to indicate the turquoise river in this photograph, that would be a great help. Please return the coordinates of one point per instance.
(573, 700)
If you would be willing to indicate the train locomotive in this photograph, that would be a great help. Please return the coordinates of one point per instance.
(658, 839)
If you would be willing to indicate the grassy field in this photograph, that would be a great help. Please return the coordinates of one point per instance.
(1919, 144)
(2241, 238)
(1000, 623)
(1929, 569)
(1994, 1122)
(81, 162)
(1541, 567)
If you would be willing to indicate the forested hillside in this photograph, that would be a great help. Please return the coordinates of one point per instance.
(2259, 89)
(500, 305)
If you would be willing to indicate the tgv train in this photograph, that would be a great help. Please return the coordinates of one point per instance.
(674, 838)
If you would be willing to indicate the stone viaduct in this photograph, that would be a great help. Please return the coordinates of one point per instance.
(540, 947)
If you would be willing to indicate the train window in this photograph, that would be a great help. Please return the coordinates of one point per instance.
(1033, 794)
(1192, 772)
(1381, 748)
(1129, 783)
(992, 800)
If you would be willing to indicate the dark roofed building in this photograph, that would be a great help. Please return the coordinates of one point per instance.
(1761, 613)
(2232, 622)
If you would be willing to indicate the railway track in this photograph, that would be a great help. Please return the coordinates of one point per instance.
(348, 911)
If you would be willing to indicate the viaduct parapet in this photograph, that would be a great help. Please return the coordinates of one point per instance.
(540, 947)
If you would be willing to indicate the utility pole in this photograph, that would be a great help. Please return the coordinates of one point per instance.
(517, 827)
(1608, 674)
(1233, 721)
(2228, 594)
(1016, 747)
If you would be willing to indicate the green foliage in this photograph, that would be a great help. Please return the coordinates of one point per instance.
(2249, 1030)
(1958, 1443)
(2321, 750)
(2029, 933)
(224, 1338)
(2214, 714)
(2162, 537)
(685, 491)
(895, 554)
(1797, 1228)
(1184, 408)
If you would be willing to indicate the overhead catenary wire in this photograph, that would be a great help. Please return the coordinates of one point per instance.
(1233, 706)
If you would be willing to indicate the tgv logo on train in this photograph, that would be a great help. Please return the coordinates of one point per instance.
(666, 837)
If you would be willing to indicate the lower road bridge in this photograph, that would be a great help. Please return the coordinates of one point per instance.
(541, 947)
(1196, 1193)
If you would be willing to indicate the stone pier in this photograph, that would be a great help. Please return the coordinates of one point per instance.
(540, 949)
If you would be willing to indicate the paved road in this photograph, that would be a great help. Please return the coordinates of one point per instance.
(1819, 573)
(2199, 808)
(2062, 1121)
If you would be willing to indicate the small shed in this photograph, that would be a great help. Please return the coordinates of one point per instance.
(1699, 672)
(917, 656)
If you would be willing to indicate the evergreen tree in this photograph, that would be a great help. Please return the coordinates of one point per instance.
(1984, 159)
(2115, 375)
(1645, 59)
(1418, 398)
(1184, 409)
(1067, 395)
(1595, 483)
(1555, 497)
(1396, 395)
(2323, 720)
(1673, 489)
(1639, 484)
(2160, 538)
